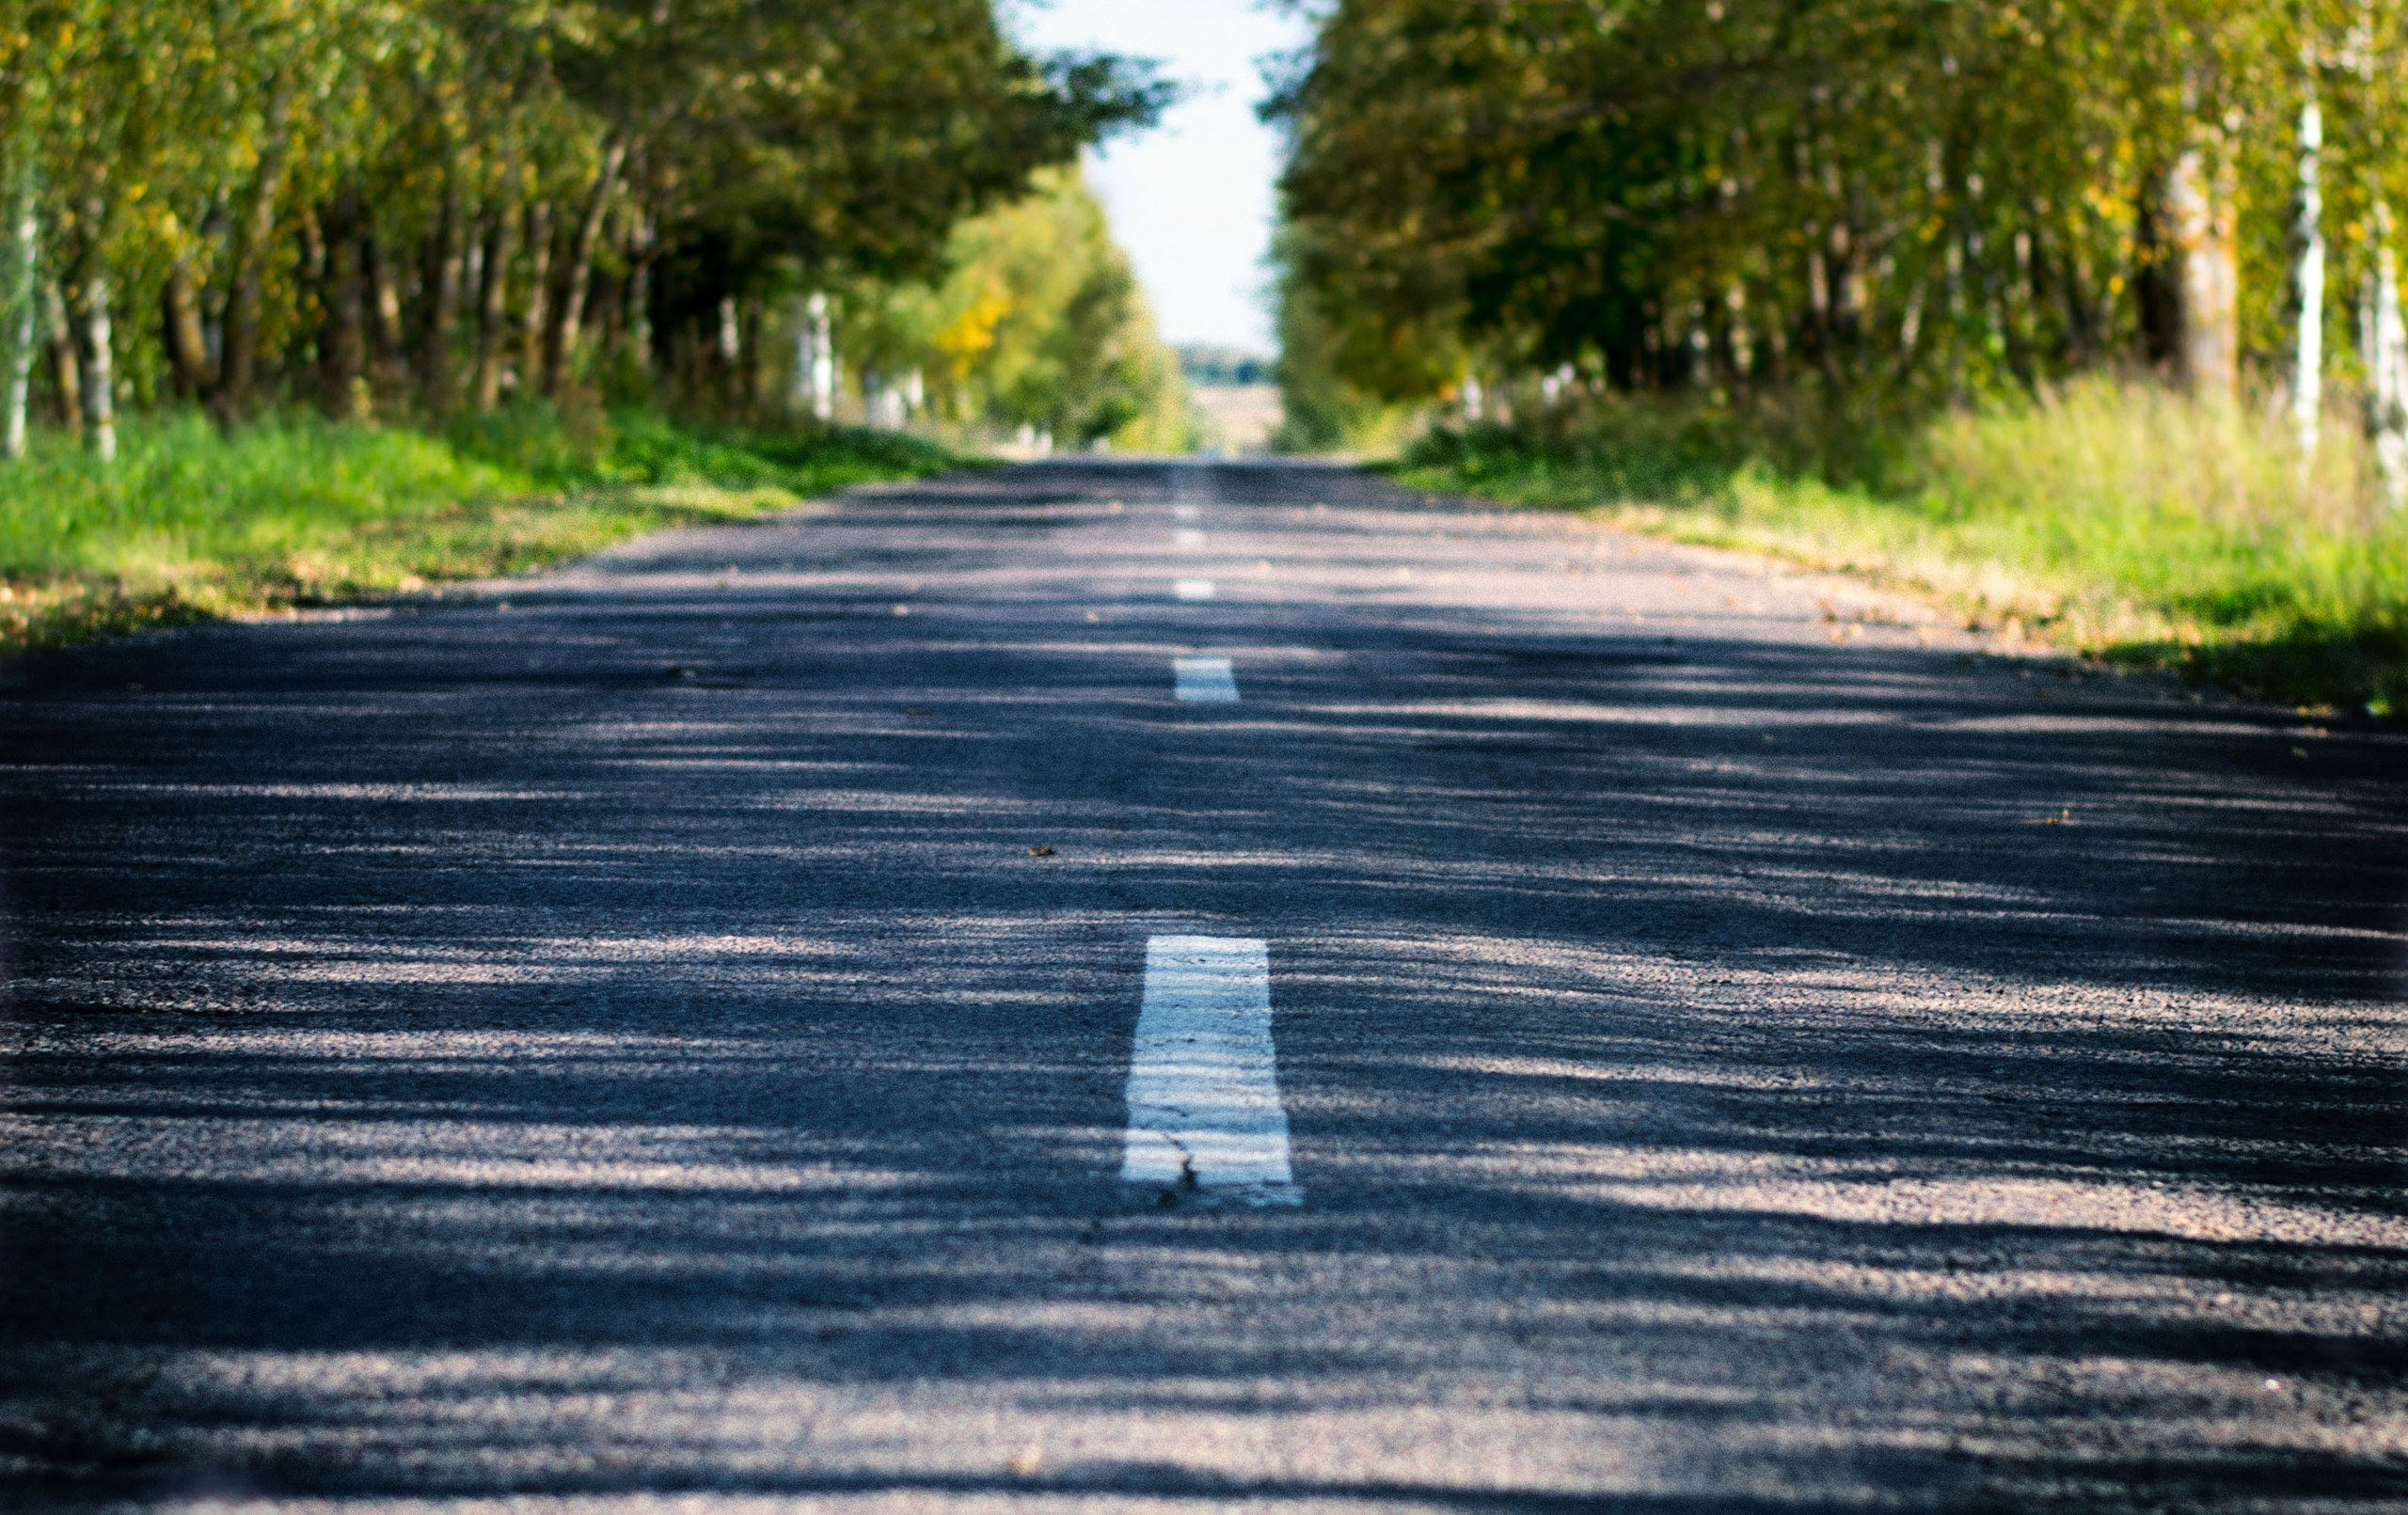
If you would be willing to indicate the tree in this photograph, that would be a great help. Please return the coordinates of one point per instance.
(1874, 198)
(402, 204)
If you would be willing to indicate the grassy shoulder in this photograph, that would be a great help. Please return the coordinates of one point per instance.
(2114, 520)
(192, 523)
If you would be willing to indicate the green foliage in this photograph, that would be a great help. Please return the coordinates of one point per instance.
(2114, 518)
(1957, 200)
(1323, 410)
(1036, 321)
(297, 509)
(311, 183)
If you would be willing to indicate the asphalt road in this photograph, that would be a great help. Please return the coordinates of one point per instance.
(660, 1035)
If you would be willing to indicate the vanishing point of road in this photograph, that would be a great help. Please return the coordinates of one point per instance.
(1141, 986)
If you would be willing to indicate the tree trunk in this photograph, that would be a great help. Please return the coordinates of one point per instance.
(18, 303)
(539, 294)
(2202, 233)
(1910, 330)
(389, 347)
(66, 371)
(2386, 351)
(2011, 307)
(1961, 389)
(2073, 284)
(100, 366)
(561, 355)
(730, 348)
(493, 297)
(1738, 346)
(636, 322)
(246, 282)
(748, 358)
(179, 313)
(342, 345)
(823, 358)
(444, 256)
(2307, 364)
(798, 393)
(313, 249)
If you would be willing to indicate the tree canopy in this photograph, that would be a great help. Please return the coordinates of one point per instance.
(1937, 197)
(435, 203)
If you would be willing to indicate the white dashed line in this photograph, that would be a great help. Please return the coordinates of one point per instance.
(1193, 588)
(1204, 1110)
(1204, 681)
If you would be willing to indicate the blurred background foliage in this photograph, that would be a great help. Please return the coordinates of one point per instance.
(1037, 325)
(1896, 200)
(420, 208)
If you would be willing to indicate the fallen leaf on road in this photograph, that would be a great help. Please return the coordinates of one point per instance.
(1040, 852)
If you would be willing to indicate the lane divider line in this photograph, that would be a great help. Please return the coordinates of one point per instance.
(1204, 681)
(1204, 1109)
(1193, 588)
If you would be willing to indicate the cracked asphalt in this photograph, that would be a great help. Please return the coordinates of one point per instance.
(653, 1035)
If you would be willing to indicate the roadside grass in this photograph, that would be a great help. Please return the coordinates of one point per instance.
(2113, 519)
(193, 523)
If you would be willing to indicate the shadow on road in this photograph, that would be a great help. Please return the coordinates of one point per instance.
(625, 1042)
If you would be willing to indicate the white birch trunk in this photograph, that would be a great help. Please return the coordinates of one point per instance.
(2387, 365)
(823, 359)
(18, 306)
(100, 370)
(2308, 367)
(798, 377)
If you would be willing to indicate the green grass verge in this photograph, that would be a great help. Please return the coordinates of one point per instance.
(2114, 520)
(192, 523)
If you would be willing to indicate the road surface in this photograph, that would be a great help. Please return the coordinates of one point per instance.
(1117, 986)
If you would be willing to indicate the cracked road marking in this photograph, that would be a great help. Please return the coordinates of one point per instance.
(1204, 680)
(1204, 1110)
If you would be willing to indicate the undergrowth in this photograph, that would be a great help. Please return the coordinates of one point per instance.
(192, 522)
(2114, 519)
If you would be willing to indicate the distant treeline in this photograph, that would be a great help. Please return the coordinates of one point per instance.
(1216, 364)
(1889, 197)
(430, 206)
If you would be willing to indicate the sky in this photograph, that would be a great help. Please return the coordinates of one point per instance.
(1191, 200)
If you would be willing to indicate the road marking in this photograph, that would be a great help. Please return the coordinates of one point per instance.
(1204, 1110)
(1187, 536)
(1187, 512)
(1204, 680)
(1193, 588)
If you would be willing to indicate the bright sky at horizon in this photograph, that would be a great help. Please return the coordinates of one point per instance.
(1191, 200)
